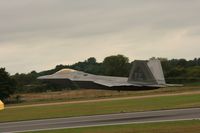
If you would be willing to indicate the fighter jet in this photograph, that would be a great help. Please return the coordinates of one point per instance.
(143, 75)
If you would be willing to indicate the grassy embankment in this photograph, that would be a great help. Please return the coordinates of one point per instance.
(101, 107)
(78, 95)
(162, 127)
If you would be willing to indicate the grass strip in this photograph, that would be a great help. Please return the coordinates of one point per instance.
(103, 107)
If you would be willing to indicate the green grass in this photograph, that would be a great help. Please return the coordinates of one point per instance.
(193, 84)
(162, 127)
(79, 95)
(103, 107)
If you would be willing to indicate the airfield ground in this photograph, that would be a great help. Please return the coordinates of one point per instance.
(192, 126)
(91, 102)
(100, 107)
(80, 95)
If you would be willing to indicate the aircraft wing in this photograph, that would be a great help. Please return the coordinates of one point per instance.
(108, 81)
(112, 81)
(74, 75)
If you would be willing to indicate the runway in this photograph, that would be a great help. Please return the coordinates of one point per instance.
(100, 120)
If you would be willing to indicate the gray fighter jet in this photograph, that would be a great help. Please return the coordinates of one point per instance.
(143, 75)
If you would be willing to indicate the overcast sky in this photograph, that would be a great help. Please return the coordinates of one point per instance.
(39, 34)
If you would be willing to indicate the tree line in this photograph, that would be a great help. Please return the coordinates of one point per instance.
(175, 71)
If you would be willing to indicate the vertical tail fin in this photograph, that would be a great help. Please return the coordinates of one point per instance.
(147, 73)
(157, 71)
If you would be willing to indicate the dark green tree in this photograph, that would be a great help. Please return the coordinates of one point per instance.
(117, 65)
(7, 84)
(91, 60)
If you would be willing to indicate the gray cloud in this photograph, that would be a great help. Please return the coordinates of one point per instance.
(39, 34)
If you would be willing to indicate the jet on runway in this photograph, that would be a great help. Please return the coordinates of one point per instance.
(143, 75)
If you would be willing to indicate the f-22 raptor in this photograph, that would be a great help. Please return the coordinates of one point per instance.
(144, 75)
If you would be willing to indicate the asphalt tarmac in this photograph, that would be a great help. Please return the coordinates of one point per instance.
(101, 120)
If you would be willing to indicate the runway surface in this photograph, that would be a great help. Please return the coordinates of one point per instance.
(100, 120)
